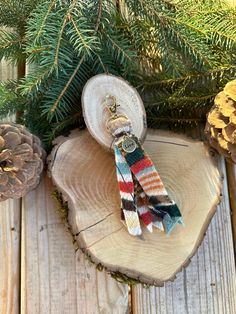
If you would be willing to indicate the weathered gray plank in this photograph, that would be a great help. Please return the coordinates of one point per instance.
(231, 178)
(208, 284)
(7, 71)
(9, 239)
(55, 278)
(9, 256)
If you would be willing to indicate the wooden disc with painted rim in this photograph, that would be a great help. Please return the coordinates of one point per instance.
(96, 114)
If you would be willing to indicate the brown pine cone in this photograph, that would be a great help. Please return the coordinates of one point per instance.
(21, 161)
(221, 122)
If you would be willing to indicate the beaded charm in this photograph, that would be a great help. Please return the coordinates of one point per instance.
(143, 195)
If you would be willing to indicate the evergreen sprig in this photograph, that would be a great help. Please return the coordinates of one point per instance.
(11, 46)
(69, 43)
(178, 54)
(10, 100)
(13, 19)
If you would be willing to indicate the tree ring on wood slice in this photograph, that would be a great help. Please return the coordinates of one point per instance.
(96, 114)
(85, 175)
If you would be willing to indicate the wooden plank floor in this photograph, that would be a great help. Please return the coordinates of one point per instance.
(208, 284)
(55, 278)
(10, 213)
(42, 273)
(9, 256)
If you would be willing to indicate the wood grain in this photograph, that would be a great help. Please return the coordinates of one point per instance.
(7, 71)
(9, 238)
(231, 178)
(86, 178)
(54, 277)
(95, 112)
(9, 256)
(208, 284)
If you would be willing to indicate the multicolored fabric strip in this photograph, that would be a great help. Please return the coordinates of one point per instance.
(143, 195)
(144, 198)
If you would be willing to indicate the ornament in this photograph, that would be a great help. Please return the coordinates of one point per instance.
(142, 192)
(21, 161)
(221, 122)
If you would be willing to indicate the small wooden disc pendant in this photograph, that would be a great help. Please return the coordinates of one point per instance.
(96, 114)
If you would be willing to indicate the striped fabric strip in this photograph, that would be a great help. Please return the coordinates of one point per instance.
(143, 195)
(126, 187)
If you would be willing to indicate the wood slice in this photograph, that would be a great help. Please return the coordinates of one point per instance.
(85, 174)
(96, 114)
(55, 277)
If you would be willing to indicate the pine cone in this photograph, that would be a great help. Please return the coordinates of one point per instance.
(21, 161)
(221, 122)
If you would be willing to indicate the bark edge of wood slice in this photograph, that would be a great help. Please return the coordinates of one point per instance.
(85, 175)
(96, 114)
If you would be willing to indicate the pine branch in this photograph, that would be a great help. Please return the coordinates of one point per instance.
(44, 17)
(56, 103)
(155, 121)
(11, 46)
(183, 101)
(190, 32)
(178, 54)
(157, 81)
(14, 13)
(10, 102)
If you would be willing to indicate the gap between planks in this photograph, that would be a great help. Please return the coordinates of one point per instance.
(208, 284)
(9, 237)
(55, 277)
(231, 179)
(9, 256)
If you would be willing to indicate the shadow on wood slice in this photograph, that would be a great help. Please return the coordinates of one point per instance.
(85, 175)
